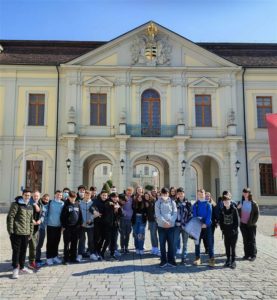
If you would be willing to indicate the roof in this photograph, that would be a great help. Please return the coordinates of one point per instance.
(51, 53)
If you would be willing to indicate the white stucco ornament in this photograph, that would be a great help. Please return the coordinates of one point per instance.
(151, 48)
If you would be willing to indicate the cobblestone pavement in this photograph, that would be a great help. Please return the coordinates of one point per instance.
(138, 277)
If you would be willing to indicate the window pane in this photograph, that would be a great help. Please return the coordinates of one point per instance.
(36, 109)
(102, 114)
(264, 106)
(267, 182)
(98, 109)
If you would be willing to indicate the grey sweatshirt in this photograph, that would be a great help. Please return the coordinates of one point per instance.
(165, 211)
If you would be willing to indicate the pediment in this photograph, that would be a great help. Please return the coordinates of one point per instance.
(151, 45)
(151, 79)
(203, 83)
(98, 81)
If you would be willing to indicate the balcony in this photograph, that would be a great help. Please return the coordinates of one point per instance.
(162, 131)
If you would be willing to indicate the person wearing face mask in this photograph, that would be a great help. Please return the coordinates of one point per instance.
(229, 223)
(65, 194)
(203, 209)
(166, 214)
(81, 193)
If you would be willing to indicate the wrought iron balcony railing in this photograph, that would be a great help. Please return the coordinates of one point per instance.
(162, 131)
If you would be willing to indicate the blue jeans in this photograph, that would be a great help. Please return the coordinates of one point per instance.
(177, 232)
(139, 233)
(206, 232)
(82, 241)
(166, 235)
(125, 228)
(153, 227)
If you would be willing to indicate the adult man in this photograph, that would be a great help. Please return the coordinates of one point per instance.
(20, 228)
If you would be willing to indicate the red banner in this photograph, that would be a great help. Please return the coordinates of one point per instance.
(271, 120)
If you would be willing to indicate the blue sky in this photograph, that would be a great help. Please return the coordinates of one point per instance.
(103, 20)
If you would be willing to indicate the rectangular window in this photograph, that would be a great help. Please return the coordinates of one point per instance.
(105, 170)
(146, 170)
(267, 182)
(34, 175)
(264, 106)
(36, 109)
(203, 111)
(98, 109)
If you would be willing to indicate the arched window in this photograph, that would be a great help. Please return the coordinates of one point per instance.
(150, 113)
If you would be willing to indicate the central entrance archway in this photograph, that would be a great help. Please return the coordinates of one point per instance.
(151, 171)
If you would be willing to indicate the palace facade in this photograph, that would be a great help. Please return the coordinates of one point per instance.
(149, 107)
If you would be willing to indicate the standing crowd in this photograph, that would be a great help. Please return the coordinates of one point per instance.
(90, 224)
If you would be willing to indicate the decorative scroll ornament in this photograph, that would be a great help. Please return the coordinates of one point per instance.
(151, 48)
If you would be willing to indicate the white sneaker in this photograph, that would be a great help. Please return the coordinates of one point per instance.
(25, 271)
(79, 258)
(57, 260)
(92, 256)
(179, 251)
(141, 252)
(49, 261)
(117, 253)
(15, 273)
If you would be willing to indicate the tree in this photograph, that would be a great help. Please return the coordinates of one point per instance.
(106, 188)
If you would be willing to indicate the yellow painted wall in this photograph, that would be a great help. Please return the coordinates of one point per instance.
(2, 98)
(50, 109)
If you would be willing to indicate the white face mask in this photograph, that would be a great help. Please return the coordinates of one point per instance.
(82, 195)
(164, 197)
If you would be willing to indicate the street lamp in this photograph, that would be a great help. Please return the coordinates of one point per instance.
(183, 164)
(122, 164)
(68, 165)
(237, 164)
(147, 158)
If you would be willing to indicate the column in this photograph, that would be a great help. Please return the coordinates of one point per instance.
(71, 156)
(232, 148)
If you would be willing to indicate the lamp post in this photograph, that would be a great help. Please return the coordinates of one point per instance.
(122, 165)
(183, 164)
(237, 164)
(68, 165)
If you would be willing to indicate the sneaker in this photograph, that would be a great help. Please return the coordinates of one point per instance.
(49, 261)
(233, 265)
(172, 264)
(141, 252)
(15, 273)
(162, 264)
(93, 257)
(179, 251)
(227, 263)
(79, 258)
(245, 257)
(211, 262)
(197, 262)
(117, 253)
(25, 271)
(252, 258)
(157, 252)
(153, 250)
(57, 260)
(33, 266)
(65, 262)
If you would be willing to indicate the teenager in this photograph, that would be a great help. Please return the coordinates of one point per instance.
(203, 209)
(125, 226)
(71, 220)
(229, 223)
(249, 215)
(184, 213)
(166, 214)
(20, 228)
(42, 228)
(139, 219)
(54, 228)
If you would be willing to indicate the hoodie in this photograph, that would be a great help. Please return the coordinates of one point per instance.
(165, 211)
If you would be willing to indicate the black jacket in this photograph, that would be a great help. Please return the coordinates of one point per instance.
(139, 208)
(71, 215)
(254, 215)
(229, 220)
(111, 217)
(98, 205)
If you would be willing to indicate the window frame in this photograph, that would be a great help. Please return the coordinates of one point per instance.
(98, 108)
(203, 105)
(270, 183)
(36, 110)
(26, 172)
(263, 107)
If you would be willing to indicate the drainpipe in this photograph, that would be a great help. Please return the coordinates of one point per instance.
(57, 128)
(245, 130)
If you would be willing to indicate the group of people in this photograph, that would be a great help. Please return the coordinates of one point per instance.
(91, 223)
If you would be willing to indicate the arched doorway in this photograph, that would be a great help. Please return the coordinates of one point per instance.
(204, 173)
(97, 170)
(150, 170)
(150, 113)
